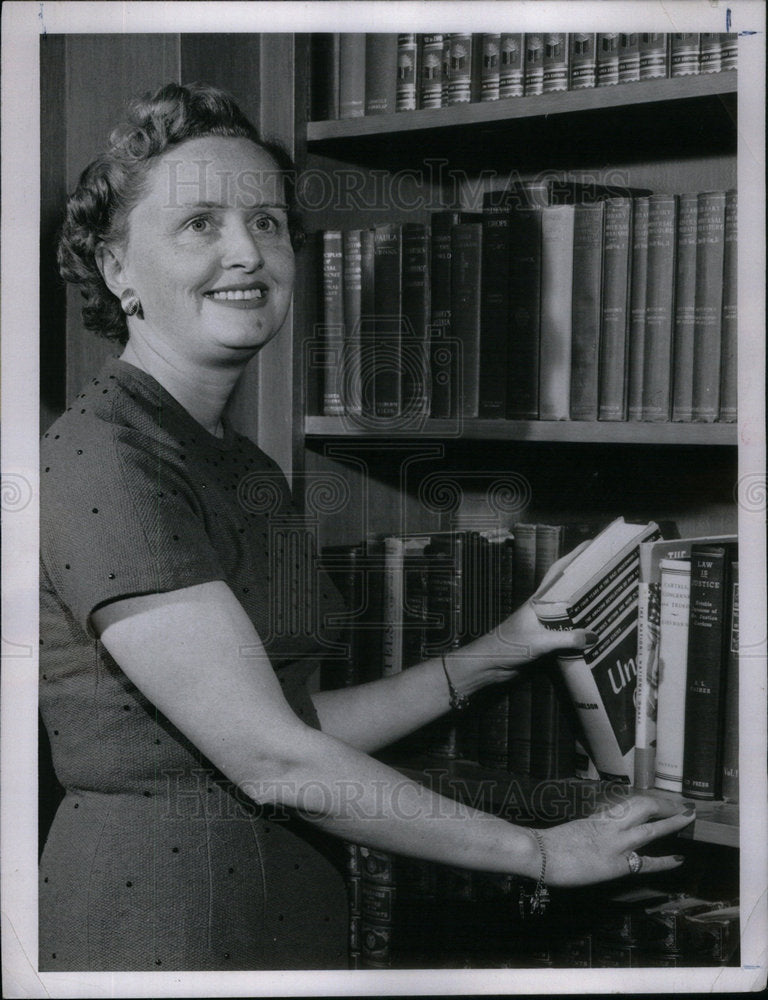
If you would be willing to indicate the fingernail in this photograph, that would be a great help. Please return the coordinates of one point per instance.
(679, 858)
(591, 639)
(689, 811)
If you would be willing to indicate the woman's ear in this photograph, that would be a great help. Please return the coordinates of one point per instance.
(109, 262)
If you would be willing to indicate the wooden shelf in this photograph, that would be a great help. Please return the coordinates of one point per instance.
(572, 432)
(522, 799)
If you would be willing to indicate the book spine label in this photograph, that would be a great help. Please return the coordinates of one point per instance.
(556, 295)
(555, 76)
(534, 64)
(333, 321)
(728, 361)
(352, 286)
(629, 57)
(430, 71)
(685, 306)
(607, 58)
(494, 312)
(654, 61)
(490, 68)
(380, 73)
(524, 313)
(673, 651)
(405, 94)
(511, 82)
(684, 54)
(702, 767)
(730, 778)
(583, 60)
(585, 310)
(351, 75)
(388, 255)
(710, 246)
(638, 289)
(466, 253)
(460, 69)
(416, 313)
(615, 309)
(659, 301)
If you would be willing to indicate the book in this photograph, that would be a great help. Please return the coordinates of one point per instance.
(607, 58)
(533, 64)
(407, 74)
(524, 290)
(324, 76)
(648, 625)
(387, 323)
(490, 69)
(598, 590)
(637, 299)
(629, 57)
(710, 52)
(729, 322)
(333, 322)
(466, 258)
(511, 80)
(729, 51)
(494, 312)
(713, 934)
(583, 60)
(380, 73)
(367, 364)
(555, 324)
(442, 357)
(352, 284)
(614, 316)
(685, 307)
(397, 613)
(555, 63)
(674, 609)
(378, 894)
(654, 58)
(415, 345)
(684, 54)
(659, 303)
(463, 67)
(708, 639)
(585, 310)
(345, 566)
(430, 65)
(730, 775)
(351, 74)
(707, 335)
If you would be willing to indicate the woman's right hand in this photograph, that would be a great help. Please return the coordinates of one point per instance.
(596, 849)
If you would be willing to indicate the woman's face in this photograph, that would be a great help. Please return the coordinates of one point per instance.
(208, 251)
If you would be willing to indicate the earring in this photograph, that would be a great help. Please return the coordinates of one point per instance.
(130, 303)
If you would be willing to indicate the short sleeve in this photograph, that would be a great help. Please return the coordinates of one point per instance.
(119, 518)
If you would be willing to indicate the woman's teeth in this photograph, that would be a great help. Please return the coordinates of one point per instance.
(238, 295)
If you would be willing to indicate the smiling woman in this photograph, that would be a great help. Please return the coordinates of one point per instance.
(179, 626)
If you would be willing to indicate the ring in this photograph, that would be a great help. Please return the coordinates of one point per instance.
(635, 862)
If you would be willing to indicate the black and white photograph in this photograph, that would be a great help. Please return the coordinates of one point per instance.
(383, 499)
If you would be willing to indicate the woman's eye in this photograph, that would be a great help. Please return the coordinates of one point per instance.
(198, 225)
(265, 224)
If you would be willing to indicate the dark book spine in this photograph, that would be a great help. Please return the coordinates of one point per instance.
(629, 57)
(685, 304)
(344, 566)
(352, 288)
(367, 321)
(585, 310)
(555, 77)
(353, 878)
(729, 356)
(524, 313)
(607, 58)
(730, 779)
(466, 256)
(442, 353)
(533, 64)
(324, 77)
(490, 67)
(583, 60)
(351, 75)
(556, 301)
(659, 302)
(637, 296)
(407, 75)
(380, 73)
(615, 309)
(388, 308)
(333, 322)
(378, 893)
(684, 54)
(710, 246)
(654, 57)
(494, 312)
(511, 71)
(707, 632)
(416, 316)
(430, 65)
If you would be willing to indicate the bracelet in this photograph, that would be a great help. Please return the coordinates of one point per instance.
(534, 903)
(457, 701)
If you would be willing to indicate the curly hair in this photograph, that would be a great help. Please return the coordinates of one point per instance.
(113, 183)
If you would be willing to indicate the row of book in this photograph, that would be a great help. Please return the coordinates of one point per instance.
(654, 701)
(356, 74)
(558, 301)
(410, 913)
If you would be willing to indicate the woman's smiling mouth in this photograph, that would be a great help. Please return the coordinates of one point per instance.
(244, 298)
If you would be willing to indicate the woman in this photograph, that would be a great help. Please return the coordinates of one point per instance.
(201, 777)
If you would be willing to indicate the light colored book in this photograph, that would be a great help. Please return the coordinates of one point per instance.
(673, 655)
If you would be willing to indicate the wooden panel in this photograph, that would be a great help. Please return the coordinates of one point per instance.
(228, 61)
(102, 73)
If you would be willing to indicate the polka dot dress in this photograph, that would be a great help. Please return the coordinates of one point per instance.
(154, 861)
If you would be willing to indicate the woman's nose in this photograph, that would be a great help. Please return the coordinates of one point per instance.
(241, 248)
